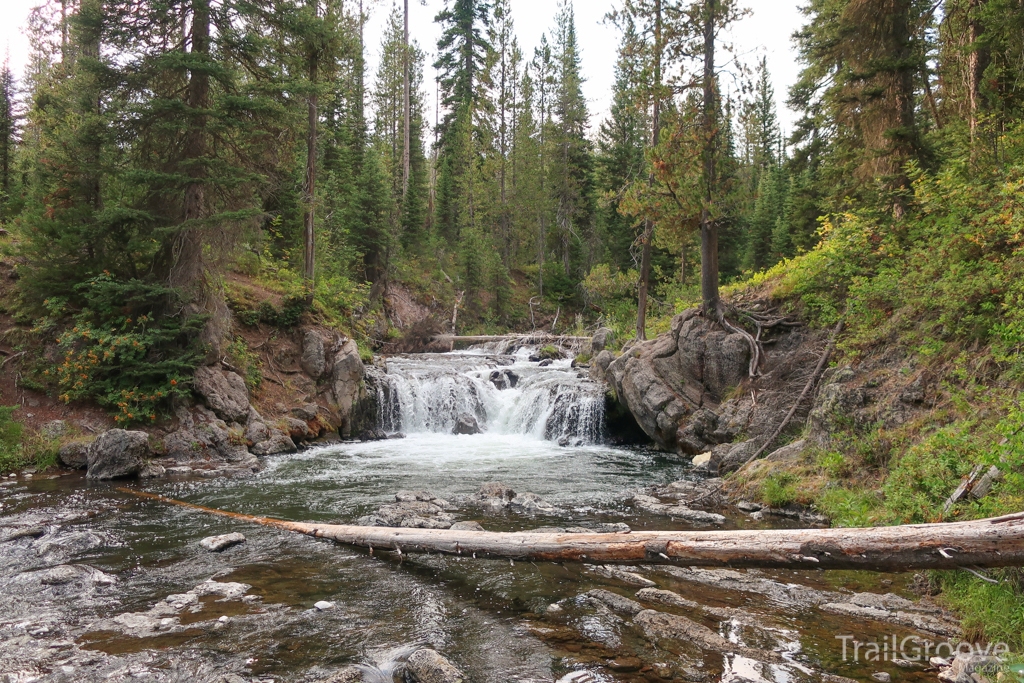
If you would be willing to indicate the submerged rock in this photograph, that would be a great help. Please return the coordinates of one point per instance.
(631, 578)
(655, 506)
(216, 544)
(531, 502)
(614, 601)
(494, 494)
(427, 666)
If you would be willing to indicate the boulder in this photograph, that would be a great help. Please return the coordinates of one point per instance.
(729, 457)
(790, 453)
(466, 526)
(837, 403)
(152, 471)
(256, 432)
(216, 544)
(297, 429)
(74, 455)
(277, 443)
(347, 383)
(466, 424)
(531, 502)
(224, 392)
(314, 356)
(494, 494)
(117, 453)
(599, 365)
(427, 666)
(308, 412)
(601, 340)
(665, 380)
(504, 379)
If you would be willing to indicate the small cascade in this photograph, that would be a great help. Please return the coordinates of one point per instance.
(504, 394)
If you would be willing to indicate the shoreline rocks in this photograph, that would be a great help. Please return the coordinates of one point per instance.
(117, 454)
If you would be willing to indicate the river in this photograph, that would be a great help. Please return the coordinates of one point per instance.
(493, 618)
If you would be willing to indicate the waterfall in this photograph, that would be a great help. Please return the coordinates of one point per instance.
(505, 394)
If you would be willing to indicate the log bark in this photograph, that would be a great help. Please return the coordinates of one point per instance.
(526, 339)
(996, 542)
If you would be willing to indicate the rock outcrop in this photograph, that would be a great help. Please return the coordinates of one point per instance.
(224, 392)
(667, 379)
(347, 384)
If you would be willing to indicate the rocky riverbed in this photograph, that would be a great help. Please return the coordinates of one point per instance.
(99, 585)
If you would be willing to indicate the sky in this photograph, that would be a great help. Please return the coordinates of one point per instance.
(765, 32)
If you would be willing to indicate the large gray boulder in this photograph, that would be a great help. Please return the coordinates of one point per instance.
(224, 392)
(314, 355)
(665, 380)
(347, 383)
(117, 453)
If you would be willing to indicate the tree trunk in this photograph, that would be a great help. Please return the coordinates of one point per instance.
(407, 104)
(648, 234)
(187, 265)
(708, 227)
(997, 542)
(308, 233)
(975, 64)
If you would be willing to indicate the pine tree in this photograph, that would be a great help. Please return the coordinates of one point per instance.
(8, 135)
(620, 159)
(571, 181)
(462, 61)
(863, 60)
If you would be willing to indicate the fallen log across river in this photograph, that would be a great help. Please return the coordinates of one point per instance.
(994, 542)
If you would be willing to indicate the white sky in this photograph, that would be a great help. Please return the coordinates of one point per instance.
(766, 31)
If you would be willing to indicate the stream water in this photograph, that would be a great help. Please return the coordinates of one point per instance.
(491, 617)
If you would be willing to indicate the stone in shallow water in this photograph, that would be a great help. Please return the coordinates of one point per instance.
(323, 605)
(427, 666)
(216, 544)
(466, 526)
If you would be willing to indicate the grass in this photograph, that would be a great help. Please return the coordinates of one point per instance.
(19, 450)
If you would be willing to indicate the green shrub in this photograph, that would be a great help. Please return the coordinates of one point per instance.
(991, 611)
(128, 349)
(779, 490)
(11, 451)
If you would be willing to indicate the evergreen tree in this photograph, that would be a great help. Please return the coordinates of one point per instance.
(463, 52)
(8, 135)
(620, 152)
(571, 181)
(863, 60)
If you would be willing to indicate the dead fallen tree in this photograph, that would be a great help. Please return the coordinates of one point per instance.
(996, 542)
(530, 339)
